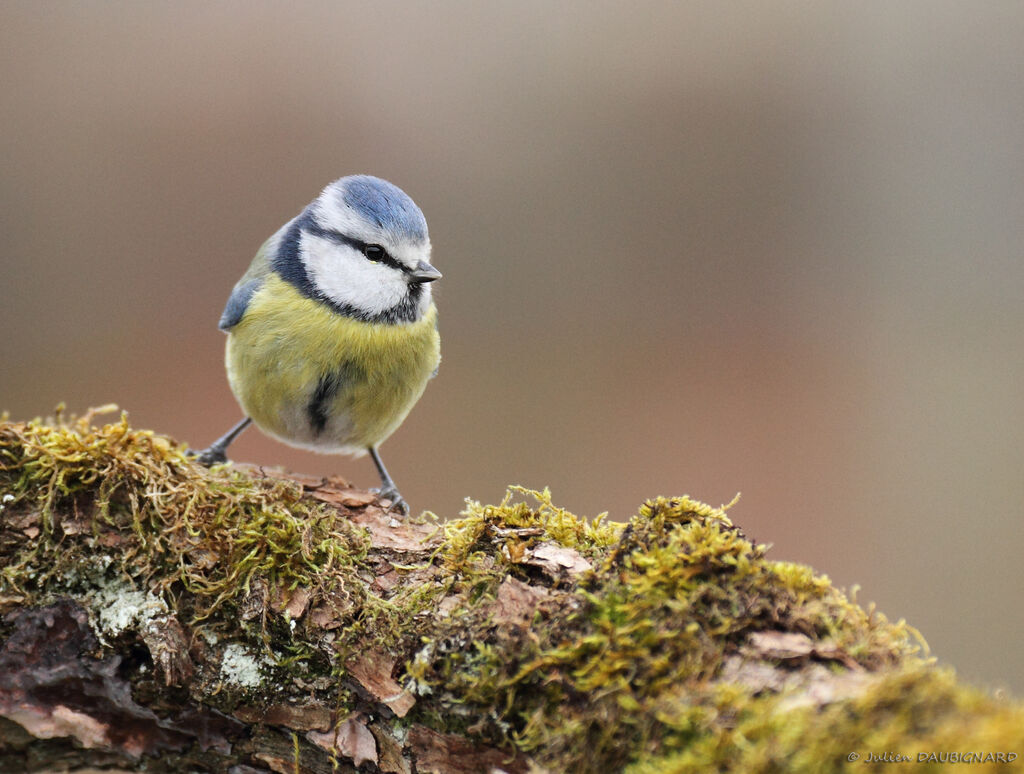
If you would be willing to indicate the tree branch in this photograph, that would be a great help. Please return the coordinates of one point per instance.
(163, 617)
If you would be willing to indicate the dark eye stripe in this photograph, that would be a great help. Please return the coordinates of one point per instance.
(383, 256)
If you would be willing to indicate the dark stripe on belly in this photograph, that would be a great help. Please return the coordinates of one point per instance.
(325, 393)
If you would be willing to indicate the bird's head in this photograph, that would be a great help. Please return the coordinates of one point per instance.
(364, 246)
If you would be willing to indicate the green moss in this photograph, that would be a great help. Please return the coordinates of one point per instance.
(674, 597)
(683, 647)
(468, 539)
(212, 532)
(916, 712)
(120, 508)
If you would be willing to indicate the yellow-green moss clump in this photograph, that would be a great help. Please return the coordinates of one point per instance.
(177, 525)
(667, 645)
(125, 520)
(651, 666)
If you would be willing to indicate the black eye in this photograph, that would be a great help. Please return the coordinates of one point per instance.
(374, 252)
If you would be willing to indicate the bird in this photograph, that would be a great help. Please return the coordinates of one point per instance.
(332, 332)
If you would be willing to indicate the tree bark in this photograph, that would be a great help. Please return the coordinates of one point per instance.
(156, 616)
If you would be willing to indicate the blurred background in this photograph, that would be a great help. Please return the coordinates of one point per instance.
(687, 248)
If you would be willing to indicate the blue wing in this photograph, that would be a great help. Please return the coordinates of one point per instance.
(251, 281)
(238, 303)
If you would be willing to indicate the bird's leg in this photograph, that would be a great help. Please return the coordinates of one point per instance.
(216, 451)
(388, 490)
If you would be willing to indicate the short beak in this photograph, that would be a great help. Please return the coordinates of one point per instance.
(424, 272)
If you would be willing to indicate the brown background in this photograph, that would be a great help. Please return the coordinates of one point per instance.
(688, 248)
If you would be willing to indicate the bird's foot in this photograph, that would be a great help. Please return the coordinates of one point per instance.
(211, 456)
(216, 452)
(392, 495)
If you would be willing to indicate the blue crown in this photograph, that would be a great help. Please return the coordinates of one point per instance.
(386, 205)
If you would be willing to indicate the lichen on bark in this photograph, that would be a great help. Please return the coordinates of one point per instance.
(156, 615)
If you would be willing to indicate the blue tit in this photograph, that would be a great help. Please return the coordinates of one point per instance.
(332, 332)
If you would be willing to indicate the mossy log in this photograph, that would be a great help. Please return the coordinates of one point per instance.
(159, 616)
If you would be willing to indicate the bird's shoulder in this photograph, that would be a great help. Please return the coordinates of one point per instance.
(251, 281)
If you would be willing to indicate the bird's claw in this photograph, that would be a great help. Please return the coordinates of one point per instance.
(391, 494)
(208, 457)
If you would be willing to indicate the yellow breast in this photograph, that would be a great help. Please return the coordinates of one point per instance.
(317, 379)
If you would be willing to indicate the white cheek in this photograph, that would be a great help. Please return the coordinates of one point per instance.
(345, 276)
